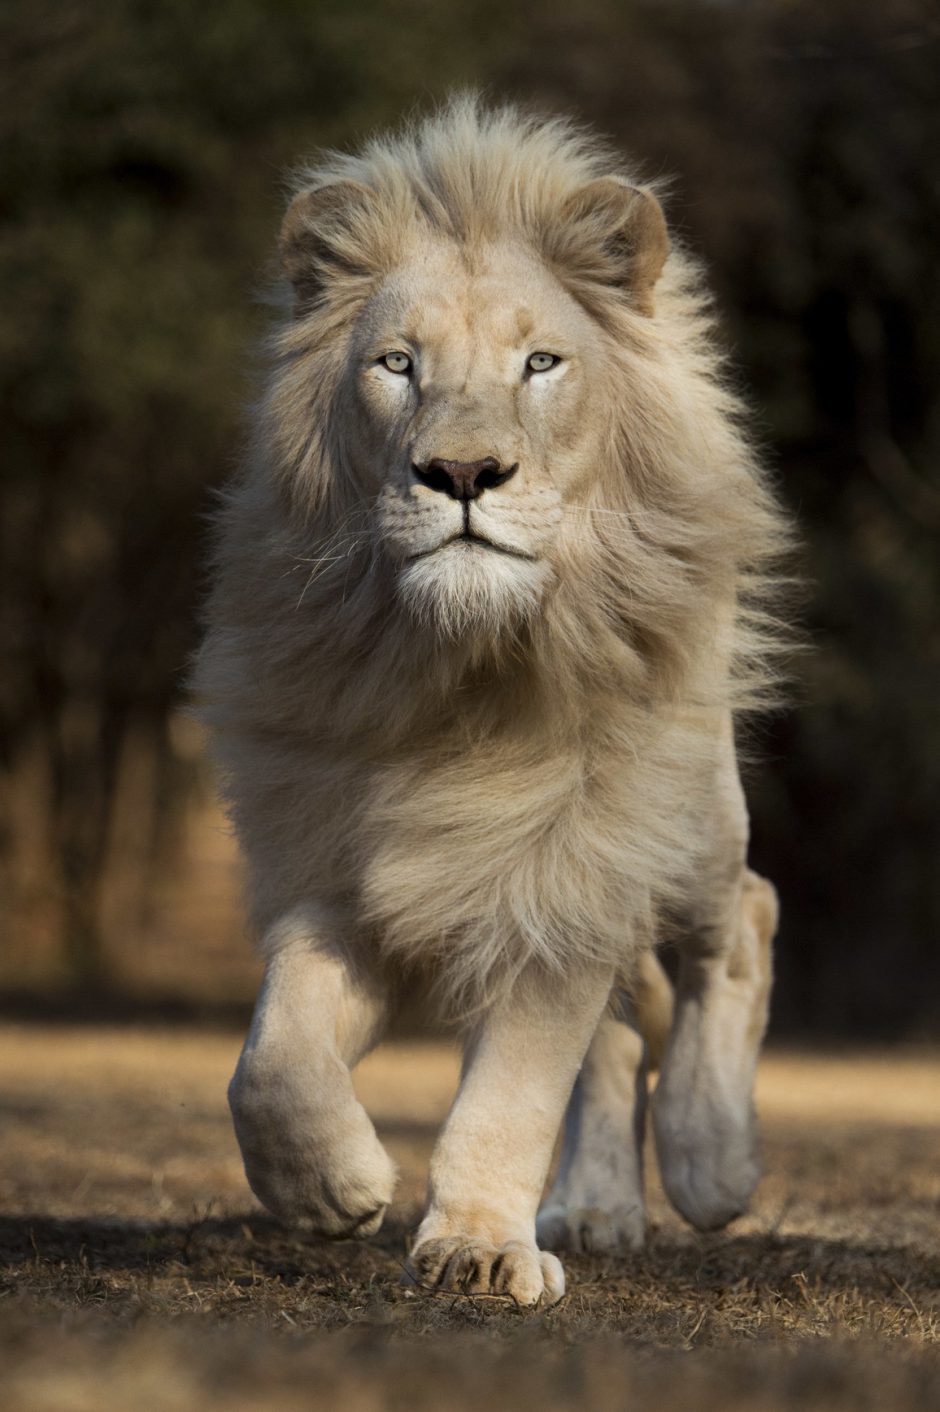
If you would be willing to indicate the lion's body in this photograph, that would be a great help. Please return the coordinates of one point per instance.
(457, 762)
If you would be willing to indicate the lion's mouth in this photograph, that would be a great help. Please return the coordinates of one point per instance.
(467, 536)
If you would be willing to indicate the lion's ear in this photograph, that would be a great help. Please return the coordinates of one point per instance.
(318, 237)
(628, 226)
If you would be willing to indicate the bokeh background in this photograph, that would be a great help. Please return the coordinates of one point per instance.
(143, 151)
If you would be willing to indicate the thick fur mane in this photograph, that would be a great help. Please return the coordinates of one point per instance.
(473, 798)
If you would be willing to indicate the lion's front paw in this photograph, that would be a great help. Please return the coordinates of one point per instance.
(320, 1166)
(593, 1230)
(463, 1264)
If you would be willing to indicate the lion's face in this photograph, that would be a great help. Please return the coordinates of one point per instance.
(472, 430)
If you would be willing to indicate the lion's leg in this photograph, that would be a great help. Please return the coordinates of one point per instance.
(703, 1114)
(310, 1150)
(489, 1168)
(596, 1201)
(652, 1004)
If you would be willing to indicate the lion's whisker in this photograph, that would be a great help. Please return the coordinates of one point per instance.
(598, 510)
(320, 566)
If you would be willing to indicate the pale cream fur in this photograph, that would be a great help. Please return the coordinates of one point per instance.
(487, 766)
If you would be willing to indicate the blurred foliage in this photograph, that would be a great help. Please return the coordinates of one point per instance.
(143, 149)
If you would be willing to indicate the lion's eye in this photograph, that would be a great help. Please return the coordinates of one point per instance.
(396, 363)
(541, 362)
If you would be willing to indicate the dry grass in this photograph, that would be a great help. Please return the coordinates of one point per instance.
(137, 1273)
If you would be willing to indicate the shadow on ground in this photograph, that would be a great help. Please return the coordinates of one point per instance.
(239, 1314)
(243, 1249)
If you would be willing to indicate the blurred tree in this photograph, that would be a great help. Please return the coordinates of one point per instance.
(142, 151)
(804, 138)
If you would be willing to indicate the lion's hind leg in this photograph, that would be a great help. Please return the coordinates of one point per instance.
(652, 1003)
(703, 1113)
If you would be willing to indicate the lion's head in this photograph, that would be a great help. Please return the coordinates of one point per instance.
(472, 383)
(453, 314)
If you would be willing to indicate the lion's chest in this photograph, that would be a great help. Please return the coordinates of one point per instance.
(486, 858)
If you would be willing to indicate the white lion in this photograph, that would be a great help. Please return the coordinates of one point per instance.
(487, 593)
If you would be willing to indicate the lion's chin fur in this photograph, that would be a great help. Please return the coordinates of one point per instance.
(467, 589)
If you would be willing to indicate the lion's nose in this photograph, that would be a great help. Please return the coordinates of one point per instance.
(464, 480)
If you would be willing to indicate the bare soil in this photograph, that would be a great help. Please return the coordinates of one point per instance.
(136, 1271)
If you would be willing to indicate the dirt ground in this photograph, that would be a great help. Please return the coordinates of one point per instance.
(137, 1272)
